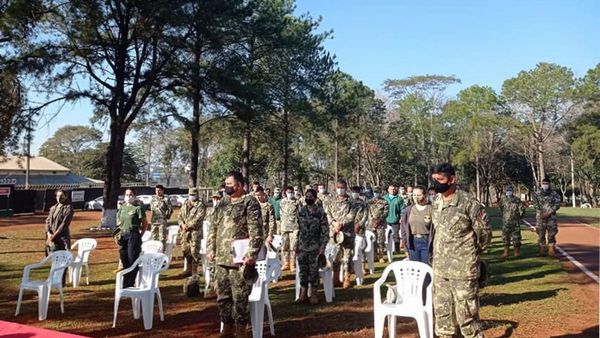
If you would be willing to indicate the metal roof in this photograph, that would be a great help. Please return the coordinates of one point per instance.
(36, 163)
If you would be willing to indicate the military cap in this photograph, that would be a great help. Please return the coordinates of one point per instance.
(377, 189)
(277, 190)
(193, 191)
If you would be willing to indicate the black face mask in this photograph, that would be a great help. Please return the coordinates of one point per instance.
(441, 187)
(309, 201)
(229, 190)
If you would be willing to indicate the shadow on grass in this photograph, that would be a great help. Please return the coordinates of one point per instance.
(593, 331)
(497, 299)
(509, 326)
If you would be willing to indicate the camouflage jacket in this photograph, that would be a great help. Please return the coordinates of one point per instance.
(543, 201)
(161, 209)
(192, 215)
(58, 223)
(378, 211)
(233, 220)
(313, 233)
(268, 217)
(512, 208)
(407, 199)
(323, 199)
(461, 232)
(362, 213)
(344, 212)
(289, 214)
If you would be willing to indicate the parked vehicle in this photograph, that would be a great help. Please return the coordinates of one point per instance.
(146, 199)
(95, 204)
(177, 200)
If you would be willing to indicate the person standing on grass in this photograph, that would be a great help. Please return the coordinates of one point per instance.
(395, 209)
(161, 212)
(513, 210)
(461, 233)
(415, 226)
(131, 219)
(58, 222)
(546, 202)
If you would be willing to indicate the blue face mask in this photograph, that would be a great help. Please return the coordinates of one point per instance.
(509, 193)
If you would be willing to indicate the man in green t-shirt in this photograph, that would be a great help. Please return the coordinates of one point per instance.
(131, 219)
(395, 209)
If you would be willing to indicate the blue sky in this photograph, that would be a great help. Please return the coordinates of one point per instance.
(481, 42)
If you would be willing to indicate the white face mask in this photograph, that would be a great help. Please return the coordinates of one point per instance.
(355, 195)
(193, 198)
(376, 195)
(545, 186)
(289, 195)
(129, 199)
(509, 193)
(215, 203)
(322, 190)
(340, 191)
(401, 191)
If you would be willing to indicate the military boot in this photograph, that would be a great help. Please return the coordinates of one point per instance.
(542, 252)
(314, 300)
(303, 295)
(505, 253)
(286, 263)
(293, 265)
(517, 251)
(241, 331)
(227, 331)
(552, 250)
(347, 283)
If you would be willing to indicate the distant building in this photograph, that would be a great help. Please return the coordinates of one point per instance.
(42, 172)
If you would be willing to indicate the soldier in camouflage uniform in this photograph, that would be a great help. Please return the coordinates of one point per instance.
(342, 217)
(289, 228)
(323, 196)
(191, 217)
(268, 214)
(546, 202)
(461, 233)
(313, 236)
(161, 212)
(513, 210)
(238, 218)
(378, 211)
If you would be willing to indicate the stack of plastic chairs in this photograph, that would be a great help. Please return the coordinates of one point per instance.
(370, 250)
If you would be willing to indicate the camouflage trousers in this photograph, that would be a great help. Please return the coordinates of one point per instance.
(379, 240)
(190, 244)
(290, 239)
(232, 296)
(308, 266)
(456, 303)
(344, 258)
(548, 225)
(511, 230)
(159, 232)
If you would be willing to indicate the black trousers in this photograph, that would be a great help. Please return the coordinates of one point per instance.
(130, 251)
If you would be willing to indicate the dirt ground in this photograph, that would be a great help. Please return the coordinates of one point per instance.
(349, 316)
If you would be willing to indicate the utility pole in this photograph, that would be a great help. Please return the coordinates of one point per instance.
(149, 158)
(573, 181)
(27, 160)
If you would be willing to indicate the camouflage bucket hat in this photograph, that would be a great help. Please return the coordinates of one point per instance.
(249, 273)
(193, 191)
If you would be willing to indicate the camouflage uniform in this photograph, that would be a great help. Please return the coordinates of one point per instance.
(268, 217)
(323, 199)
(461, 233)
(378, 211)
(513, 210)
(238, 219)
(161, 212)
(192, 215)
(345, 213)
(289, 228)
(313, 236)
(546, 201)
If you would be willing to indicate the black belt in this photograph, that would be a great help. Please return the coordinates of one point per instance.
(420, 235)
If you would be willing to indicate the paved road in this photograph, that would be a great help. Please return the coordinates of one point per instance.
(580, 241)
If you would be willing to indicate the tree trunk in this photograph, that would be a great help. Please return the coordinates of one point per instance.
(336, 153)
(246, 153)
(540, 151)
(149, 166)
(574, 203)
(112, 179)
(477, 179)
(286, 147)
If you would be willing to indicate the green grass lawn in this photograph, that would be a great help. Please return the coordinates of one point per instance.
(589, 216)
(524, 295)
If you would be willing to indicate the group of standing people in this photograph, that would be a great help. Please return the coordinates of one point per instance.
(442, 226)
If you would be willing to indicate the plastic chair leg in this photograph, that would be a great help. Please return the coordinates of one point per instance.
(257, 317)
(117, 300)
(43, 301)
(328, 286)
(87, 274)
(370, 260)
(135, 305)
(270, 314)
(422, 325)
(62, 299)
(297, 283)
(358, 271)
(392, 325)
(19, 300)
(147, 310)
(379, 323)
(160, 305)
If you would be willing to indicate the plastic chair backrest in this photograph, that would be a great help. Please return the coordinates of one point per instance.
(370, 238)
(152, 263)
(84, 247)
(152, 247)
(388, 233)
(146, 236)
(278, 241)
(60, 261)
(409, 277)
(173, 230)
(205, 227)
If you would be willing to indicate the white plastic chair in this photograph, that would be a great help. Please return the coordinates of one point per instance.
(389, 243)
(60, 261)
(410, 278)
(145, 289)
(357, 260)
(326, 275)
(152, 246)
(146, 236)
(172, 232)
(370, 238)
(84, 247)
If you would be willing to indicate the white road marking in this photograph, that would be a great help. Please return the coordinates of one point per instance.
(570, 258)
